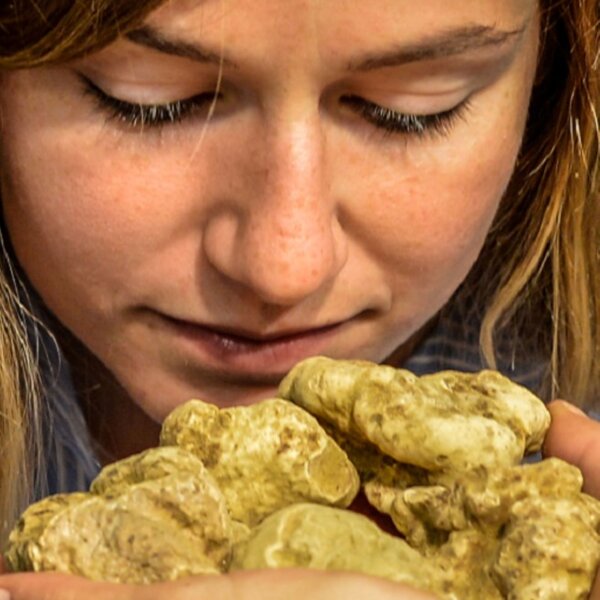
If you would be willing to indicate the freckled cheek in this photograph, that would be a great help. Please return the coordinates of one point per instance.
(430, 226)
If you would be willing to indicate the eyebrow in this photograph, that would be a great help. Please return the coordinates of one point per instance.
(156, 40)
(447, 44)
(450, 43)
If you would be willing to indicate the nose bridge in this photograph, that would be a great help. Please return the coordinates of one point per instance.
(291, 242)
(294, 197)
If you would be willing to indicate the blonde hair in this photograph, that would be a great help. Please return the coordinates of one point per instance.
(20, 422)
(542, 256)
(538, 276)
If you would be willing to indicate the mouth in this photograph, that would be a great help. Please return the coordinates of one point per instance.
(241, 353)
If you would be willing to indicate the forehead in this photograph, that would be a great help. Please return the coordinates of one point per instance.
(336, 17)
(269, 34)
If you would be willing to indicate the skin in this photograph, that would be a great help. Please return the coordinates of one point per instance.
(325, 220)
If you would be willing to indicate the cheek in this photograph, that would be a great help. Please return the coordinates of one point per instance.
(450, 211)
(426, 220)
(96, 223)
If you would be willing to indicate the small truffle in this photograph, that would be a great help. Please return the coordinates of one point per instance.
(25, 553)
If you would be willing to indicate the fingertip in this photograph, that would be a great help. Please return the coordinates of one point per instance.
(562, 436)
(562, 406)
(575, 438)
(559, 440)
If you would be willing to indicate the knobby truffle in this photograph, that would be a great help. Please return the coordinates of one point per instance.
(449, 420)
(136, 530)
(264, 457)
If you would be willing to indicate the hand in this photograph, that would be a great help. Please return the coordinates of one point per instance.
(575, 438)
(291, 584)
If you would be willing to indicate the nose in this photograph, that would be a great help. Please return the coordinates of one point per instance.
(282, 239)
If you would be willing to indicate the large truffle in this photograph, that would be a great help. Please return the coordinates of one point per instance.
(265, 456)
(445, 421)
(321, 537)
(136, 530)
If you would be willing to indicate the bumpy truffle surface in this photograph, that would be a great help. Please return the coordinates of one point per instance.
(321, 537)
(265, 456)
(25, 550)
(159, 529)
(445, 421)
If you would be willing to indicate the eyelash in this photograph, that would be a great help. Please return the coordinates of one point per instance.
(394, 122)
(147, 115)
(159, 115)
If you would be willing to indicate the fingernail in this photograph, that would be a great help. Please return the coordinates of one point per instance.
(4, 595)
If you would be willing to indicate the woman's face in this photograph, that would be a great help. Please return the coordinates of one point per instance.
(341, 190)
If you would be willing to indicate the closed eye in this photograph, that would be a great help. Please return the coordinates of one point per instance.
(394, 122)
(150, 115)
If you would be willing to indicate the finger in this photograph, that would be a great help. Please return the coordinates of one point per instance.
(243, 585)
(575, 438)
(59, 586)
(56, 586)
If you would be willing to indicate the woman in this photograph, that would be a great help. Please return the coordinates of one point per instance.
(198, 194)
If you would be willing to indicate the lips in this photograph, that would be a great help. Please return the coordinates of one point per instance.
(244, 352)
(249, 338)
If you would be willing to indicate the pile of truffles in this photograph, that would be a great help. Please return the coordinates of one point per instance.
(269, 485)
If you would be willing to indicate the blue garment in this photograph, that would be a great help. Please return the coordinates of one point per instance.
(451, 344)
(71, 461)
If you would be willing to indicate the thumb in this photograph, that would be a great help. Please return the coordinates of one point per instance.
(575, 438)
